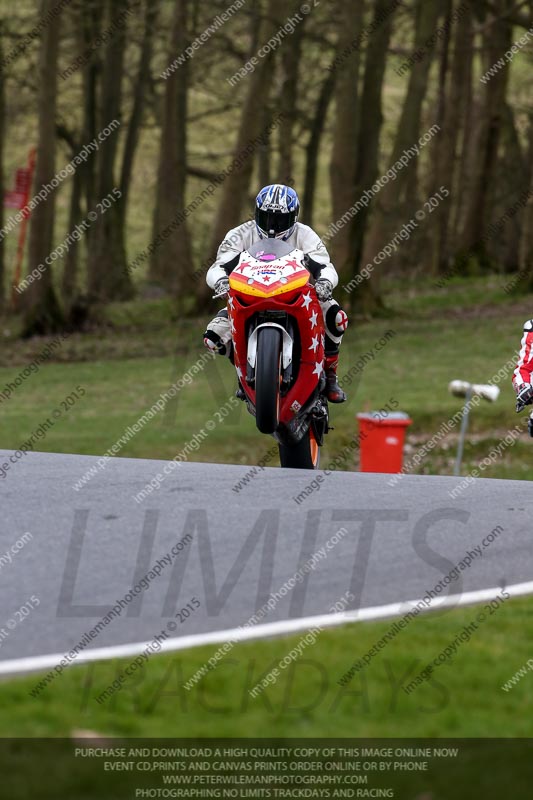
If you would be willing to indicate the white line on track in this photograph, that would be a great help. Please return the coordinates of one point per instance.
(269, 629)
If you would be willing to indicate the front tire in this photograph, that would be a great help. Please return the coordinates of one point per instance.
(267, 380)
(304, 455)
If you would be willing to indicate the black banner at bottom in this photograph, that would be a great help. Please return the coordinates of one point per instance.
(405, 769)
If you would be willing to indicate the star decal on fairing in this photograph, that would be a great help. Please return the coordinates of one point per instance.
(307, 300)
(294, 264)
(314, 344)
(313, 319)
(230, 302)
(318, 369)
(239, 372)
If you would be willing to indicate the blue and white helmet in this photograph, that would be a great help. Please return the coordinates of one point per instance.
(276, 211)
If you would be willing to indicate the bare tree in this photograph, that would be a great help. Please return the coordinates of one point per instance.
(108, 277)
(452, 118)
(368, 138)
(42, 311)
(171, 261)
(312, 149)
(497, 36)
(407, 134)
(2, 126)
(526, 242)
(288, 104)
(236, 184)
(343, 165)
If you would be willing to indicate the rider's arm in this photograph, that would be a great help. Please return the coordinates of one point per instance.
(524, 368)
(235, 241)
(320, 265)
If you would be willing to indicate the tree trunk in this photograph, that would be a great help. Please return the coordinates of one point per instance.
(135, 122)
(92, 15)
(108, 277)
(2, 126)
(134, 127)
(264, 152)
(171, 260)
(391, 195)
(526, 243)
(88, 17)
(312, 150)
(367, 143)
(498, 39)
(447, 141)
(69, 282)
(236, 184)
(343, 165)
(290, 63)
(42, 313)
(512, 181)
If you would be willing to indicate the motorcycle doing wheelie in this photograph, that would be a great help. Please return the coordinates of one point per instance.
(278, 349)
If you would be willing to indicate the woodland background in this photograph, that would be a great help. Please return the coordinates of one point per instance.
(329, 109)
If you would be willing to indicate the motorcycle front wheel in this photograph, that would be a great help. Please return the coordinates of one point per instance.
(267, 380)
(304, 455)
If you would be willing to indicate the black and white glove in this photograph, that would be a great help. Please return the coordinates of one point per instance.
(323, 289)
(524, 396)
(222, 286)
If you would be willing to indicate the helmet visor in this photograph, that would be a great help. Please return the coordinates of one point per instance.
(276, 221)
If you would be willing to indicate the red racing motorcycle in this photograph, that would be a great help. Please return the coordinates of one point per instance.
(278, 345)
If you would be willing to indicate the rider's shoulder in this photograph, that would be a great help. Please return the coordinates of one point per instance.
(305, 230)
(528, 325)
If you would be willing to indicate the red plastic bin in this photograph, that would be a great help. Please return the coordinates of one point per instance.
(381, 440)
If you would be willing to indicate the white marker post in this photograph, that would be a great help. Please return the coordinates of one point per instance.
(468, 390)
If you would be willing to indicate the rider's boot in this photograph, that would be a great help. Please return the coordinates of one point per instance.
(239, 394)
(334, 392)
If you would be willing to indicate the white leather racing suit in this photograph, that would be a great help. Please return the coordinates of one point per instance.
(218, 333)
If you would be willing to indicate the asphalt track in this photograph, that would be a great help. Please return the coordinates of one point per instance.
(388, 545)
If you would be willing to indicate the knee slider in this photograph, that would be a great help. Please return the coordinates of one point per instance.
(336, 321)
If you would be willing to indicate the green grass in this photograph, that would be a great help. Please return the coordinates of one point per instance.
(126, 365)
(463, 699)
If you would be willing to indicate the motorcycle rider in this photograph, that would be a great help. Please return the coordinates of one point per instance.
(276, 216)
(522, 374)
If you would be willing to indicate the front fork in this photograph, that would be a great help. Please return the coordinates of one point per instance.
(272, 320)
